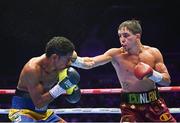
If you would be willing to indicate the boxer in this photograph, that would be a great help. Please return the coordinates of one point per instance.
(140, 69)
(43, 79)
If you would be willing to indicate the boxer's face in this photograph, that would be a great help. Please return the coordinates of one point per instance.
(127, 39)
(63, 61)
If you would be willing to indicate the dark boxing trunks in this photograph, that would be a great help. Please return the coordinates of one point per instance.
(140, 97)
(144, 106)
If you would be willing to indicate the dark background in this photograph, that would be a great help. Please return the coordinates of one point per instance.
(26, 26)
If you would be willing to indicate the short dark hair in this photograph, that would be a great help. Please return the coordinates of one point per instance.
(60, 46)
(132, 25)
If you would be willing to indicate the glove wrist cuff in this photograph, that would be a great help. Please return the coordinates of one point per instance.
(56, 91)
(78, 62)
(156, 76)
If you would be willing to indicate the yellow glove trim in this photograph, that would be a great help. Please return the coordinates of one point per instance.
(62, 74)
(70, 90)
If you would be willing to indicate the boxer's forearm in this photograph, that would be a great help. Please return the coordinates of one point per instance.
(42, 100)
(83, 62)
(166, 80)
(160, 78)
(91, 62)
(101, 60)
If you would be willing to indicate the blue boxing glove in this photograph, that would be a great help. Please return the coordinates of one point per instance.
(68, 78)
(75, 96)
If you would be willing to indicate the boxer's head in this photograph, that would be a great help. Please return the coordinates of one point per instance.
(60, 50)
(129, 34)
(132, 25)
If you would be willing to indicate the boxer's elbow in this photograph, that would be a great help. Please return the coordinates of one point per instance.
(167, 81)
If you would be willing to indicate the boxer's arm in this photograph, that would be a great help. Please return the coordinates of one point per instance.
(39, 96)
(68, 80)
(159, 74)
(36, 90)
(143, 70)
(91, 62)
(161, 68)
(102, 59)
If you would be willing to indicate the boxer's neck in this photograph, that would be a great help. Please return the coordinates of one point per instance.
(136, 49)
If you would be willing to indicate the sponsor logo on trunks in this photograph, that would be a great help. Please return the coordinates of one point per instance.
(165, 117)
(141, 98)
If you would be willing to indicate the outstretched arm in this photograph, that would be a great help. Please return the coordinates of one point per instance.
(91, 62)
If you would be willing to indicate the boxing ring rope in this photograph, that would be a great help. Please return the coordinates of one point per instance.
(95, 110)
(102, 91)
(90, 111)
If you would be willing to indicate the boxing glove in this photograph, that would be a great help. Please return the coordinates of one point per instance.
(75, 96)
(142, 70)
(67, 79)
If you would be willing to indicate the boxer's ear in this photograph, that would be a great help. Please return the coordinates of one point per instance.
(54, 57)
(138, 35)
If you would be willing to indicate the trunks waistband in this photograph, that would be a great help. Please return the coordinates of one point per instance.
(141, 97)
(22, 93)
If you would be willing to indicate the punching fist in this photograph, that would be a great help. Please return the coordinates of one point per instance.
(76, 60)
(74, 57)
(81, 62)
(142, 70)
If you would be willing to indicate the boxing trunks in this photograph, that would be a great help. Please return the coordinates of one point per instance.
(23, 110)
(144, 106)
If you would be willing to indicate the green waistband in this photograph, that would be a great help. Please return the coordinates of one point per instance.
(141, 97)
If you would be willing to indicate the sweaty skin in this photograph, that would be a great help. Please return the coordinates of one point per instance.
(39, 75)
(125, 58)
(135, 107)
(124, 64)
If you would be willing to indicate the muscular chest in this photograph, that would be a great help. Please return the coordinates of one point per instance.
(126, 63)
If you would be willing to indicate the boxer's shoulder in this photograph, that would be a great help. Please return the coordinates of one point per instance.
(31, 68)
(155, 52)
(34, 63)
(115, 51)
(150, 48)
